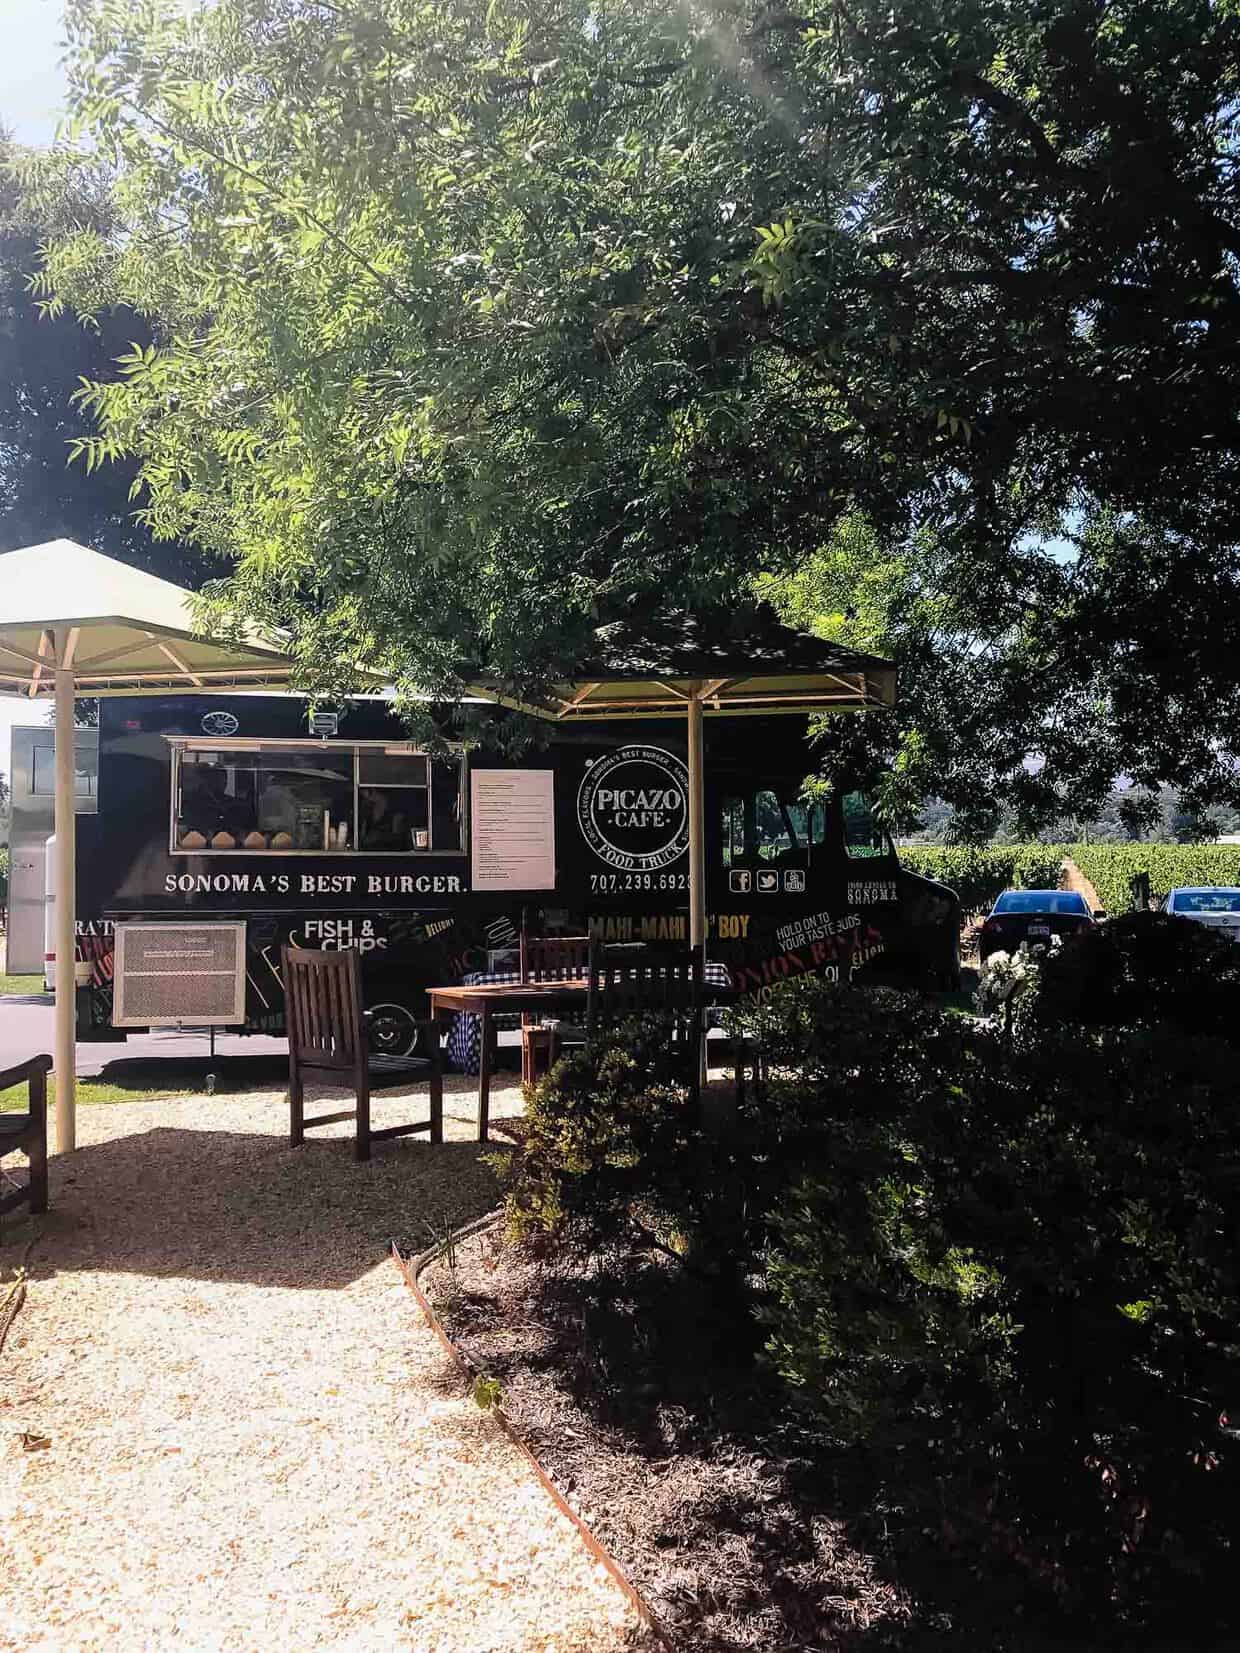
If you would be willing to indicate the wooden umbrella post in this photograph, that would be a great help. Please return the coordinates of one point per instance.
(697, 822)
(697, 850)
(66, 892)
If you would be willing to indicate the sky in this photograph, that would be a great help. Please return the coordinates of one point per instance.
(31, 83)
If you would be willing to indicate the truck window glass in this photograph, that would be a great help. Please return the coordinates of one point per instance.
(772, 836)
(43, 773)
(862, 834)
(447, 804)
(776, 827)
(322, 797)
(808, 823)
(732, 836)
(393, 801)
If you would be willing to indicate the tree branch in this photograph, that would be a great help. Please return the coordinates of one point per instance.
(295, 209)
(1010, 110)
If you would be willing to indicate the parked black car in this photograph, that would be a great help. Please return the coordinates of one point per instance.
(1034, 916)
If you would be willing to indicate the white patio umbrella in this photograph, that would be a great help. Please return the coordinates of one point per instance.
(711, 663)
(73, 622)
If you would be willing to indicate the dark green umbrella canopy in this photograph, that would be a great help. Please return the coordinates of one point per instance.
(736, 661)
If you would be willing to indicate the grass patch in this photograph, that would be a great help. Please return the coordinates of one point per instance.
(146, 1079)
(12, 987)
(13, 1100)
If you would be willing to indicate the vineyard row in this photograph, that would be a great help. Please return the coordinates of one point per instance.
(978, 875)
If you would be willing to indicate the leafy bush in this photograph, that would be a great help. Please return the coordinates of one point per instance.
(613, 1155)
(1109, 867)
(1022, 1267)
(978, 875)
(609, 1156)
(1142, 969)
(1002, 1270)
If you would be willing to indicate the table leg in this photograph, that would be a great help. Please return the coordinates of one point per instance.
(484, 1075)
(436, 1079)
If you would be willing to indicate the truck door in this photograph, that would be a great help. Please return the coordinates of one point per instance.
(771, 841)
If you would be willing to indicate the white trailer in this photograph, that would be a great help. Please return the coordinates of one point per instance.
(32, 772)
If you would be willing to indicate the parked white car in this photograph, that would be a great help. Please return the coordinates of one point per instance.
(1216, 905)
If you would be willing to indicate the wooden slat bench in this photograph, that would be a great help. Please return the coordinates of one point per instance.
(27, 1131)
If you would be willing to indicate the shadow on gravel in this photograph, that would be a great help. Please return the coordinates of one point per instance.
(233, 1075)
(226, 1205)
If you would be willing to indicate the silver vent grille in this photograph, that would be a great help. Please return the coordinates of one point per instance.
(170, 973)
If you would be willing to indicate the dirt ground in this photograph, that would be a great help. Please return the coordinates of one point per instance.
(744, 1531)
(1074, 879)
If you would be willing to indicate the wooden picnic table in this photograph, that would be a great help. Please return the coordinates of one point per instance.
(488, 999)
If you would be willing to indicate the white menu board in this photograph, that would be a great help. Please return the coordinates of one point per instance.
(512, 826)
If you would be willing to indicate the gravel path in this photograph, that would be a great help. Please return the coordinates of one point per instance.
(253, 1440)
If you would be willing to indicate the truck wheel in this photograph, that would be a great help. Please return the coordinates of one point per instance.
(393, 1030)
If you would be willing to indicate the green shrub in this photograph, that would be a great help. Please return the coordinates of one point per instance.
(1002, 1271)
(1142, 969)
(1022, 1266)
(978, 875)
(851, 1071)
(609, 1157)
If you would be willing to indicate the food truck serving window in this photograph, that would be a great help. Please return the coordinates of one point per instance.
(314, 797)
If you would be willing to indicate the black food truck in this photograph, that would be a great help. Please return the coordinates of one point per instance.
(229, 826)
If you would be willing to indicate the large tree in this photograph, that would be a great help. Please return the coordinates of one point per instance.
(478, 323)
(43, 364)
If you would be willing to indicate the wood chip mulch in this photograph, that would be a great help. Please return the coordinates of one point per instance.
(223, 1424)
(726, 1531)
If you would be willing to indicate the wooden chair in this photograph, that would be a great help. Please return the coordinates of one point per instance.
(27, 1131)
(665, 984)
(549, 958)
(327, 1041)
(554, 958)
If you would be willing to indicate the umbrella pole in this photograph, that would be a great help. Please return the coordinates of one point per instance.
(66, 892)
(697, 853)
(697, 835)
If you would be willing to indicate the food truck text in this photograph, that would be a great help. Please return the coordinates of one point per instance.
(312, 883)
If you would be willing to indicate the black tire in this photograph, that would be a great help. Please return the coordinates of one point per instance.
(394, 1030)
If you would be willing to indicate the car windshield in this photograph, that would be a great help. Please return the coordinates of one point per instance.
(1206, 901)
(1041, 901)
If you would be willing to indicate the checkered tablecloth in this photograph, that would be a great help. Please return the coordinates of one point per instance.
(465, 1030)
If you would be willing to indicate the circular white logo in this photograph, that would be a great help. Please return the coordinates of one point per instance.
(220, 723)
(633, 808)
